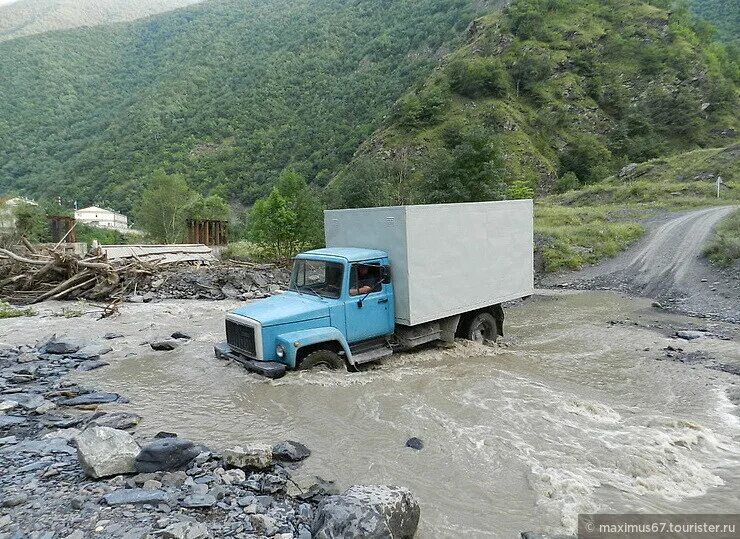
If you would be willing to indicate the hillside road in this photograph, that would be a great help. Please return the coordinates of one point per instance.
(667, 265)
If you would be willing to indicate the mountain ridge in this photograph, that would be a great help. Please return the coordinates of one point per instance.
(29, 17)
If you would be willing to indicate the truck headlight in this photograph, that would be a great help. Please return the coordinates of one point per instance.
(279, 350)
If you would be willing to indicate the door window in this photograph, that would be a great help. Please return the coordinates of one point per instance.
(365, 278)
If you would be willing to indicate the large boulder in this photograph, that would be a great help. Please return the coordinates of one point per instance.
(103, 451)
(62, 345)
(256, 457)
(166, 454)
(368, 511)
(290, 451)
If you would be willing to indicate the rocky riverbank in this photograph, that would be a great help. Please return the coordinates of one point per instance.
(72, 470)
(218, 281)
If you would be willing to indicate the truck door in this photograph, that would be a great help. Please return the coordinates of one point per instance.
(369, 308)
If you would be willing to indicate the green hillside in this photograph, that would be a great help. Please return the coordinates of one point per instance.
(553, 96)
(227, 92)
(723, 14)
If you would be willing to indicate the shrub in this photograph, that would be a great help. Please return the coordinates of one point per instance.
(520, 189)
(567, 182)
(724, 248)
(477, 77)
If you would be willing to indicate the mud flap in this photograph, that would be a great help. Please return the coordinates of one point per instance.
(498, 314)
(269, 369)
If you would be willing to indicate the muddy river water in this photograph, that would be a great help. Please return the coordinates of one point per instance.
(574, 414)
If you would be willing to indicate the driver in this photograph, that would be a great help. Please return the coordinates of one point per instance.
(365, 281)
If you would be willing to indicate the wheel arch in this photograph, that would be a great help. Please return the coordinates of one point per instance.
(496, 311)
(298, 344)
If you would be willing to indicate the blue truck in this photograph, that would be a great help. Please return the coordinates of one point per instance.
(390, 279)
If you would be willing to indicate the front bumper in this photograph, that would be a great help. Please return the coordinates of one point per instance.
(270, 369)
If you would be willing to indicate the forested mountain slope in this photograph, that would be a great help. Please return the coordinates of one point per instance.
(552, 96)
(27, 17)
(723, 14)
(228, 92)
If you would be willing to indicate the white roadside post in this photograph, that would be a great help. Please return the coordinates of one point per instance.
(719, 182)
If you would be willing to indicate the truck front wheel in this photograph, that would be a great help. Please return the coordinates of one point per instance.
(482, 328)
(321, 358)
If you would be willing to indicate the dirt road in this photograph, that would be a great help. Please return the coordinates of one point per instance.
(668, 266)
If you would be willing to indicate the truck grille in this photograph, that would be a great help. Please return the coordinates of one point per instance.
(241, 337)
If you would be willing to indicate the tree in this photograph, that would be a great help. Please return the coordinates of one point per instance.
(587, 157)
(212, 207)
(30, 222)
(163, 207)
(363, 185)
(470, 172)
(274, 225)
(533, 65)
(289, 219)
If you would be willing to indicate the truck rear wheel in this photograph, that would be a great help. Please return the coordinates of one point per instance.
(482, 328)
(321, 358)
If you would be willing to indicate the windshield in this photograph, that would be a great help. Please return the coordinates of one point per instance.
(317, 277)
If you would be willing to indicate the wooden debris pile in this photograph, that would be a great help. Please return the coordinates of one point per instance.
(138, 274)
(55, 274)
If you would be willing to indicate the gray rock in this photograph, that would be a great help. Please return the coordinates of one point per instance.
(627, 169)
(62, 345)
(117, 420)
(174, 479)
(185, 530)
(13, 499)
(64, 434)
(256, 456)
(103, 451)
(8, 405)
(111, 336)
(91, 365)
(92, 351)
(415, 443)
(369, 511)
(198, 500)
(8, 440)
(181, 335)
(136, 496)
(290, 451)
(90, 398)
(230, 477)
(166, 454)
(690, 335)
(42, 447)
(266, 526)
(29, 401)
(164, 345)
(45, 407)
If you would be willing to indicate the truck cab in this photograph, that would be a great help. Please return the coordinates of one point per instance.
(339, 305)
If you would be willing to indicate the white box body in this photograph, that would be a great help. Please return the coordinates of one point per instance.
(446, 259)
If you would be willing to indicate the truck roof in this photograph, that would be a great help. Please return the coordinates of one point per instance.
(351, 254)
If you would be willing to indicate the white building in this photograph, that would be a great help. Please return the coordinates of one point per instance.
(101, 217)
